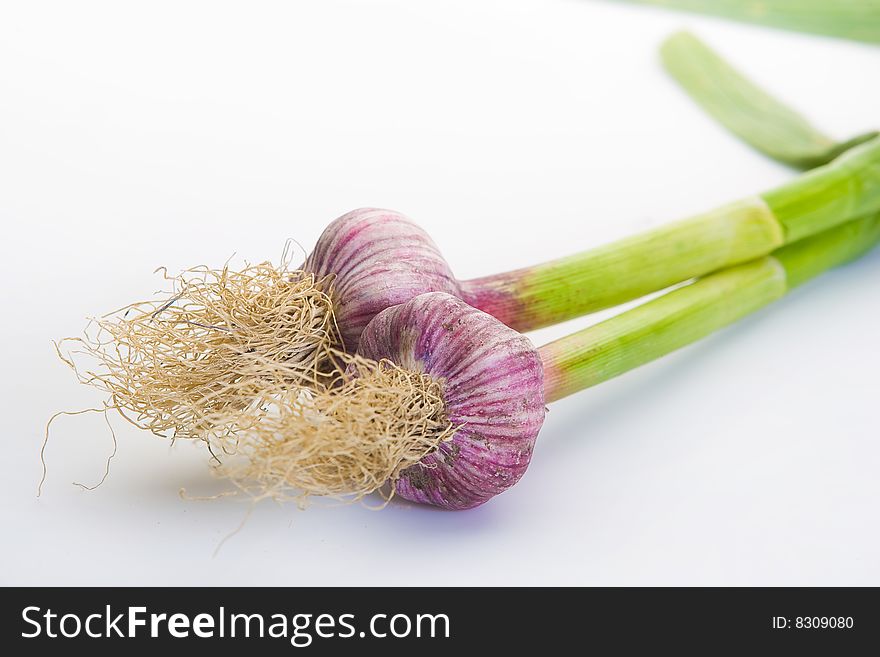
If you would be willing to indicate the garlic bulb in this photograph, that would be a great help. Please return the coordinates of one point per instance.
(492, 383)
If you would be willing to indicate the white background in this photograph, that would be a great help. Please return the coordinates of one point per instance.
(177, 133)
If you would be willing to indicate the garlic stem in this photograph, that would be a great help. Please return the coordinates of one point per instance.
(749, 112)
(690, 313)
(847, 19)
(562, 289)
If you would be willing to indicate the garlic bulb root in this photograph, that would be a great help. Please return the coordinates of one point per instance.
(194, 363)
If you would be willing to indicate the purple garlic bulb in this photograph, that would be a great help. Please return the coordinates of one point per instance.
(378, 258)
(492, 380)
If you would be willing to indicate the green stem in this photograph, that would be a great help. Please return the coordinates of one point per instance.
(555, 291)
(829, 195)
(690, 313)
(745, 109)
(847, 19)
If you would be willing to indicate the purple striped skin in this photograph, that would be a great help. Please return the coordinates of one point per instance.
(380, 258)
(493, 386)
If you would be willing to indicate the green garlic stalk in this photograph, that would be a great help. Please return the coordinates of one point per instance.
(555, 291)
(692, 312)
(858, 20)
(745, 109)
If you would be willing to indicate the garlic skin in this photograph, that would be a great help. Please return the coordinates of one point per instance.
(493, 387)
(379, 258)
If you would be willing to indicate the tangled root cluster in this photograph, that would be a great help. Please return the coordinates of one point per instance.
(182, 366)
(347, 439)
(248, 362)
